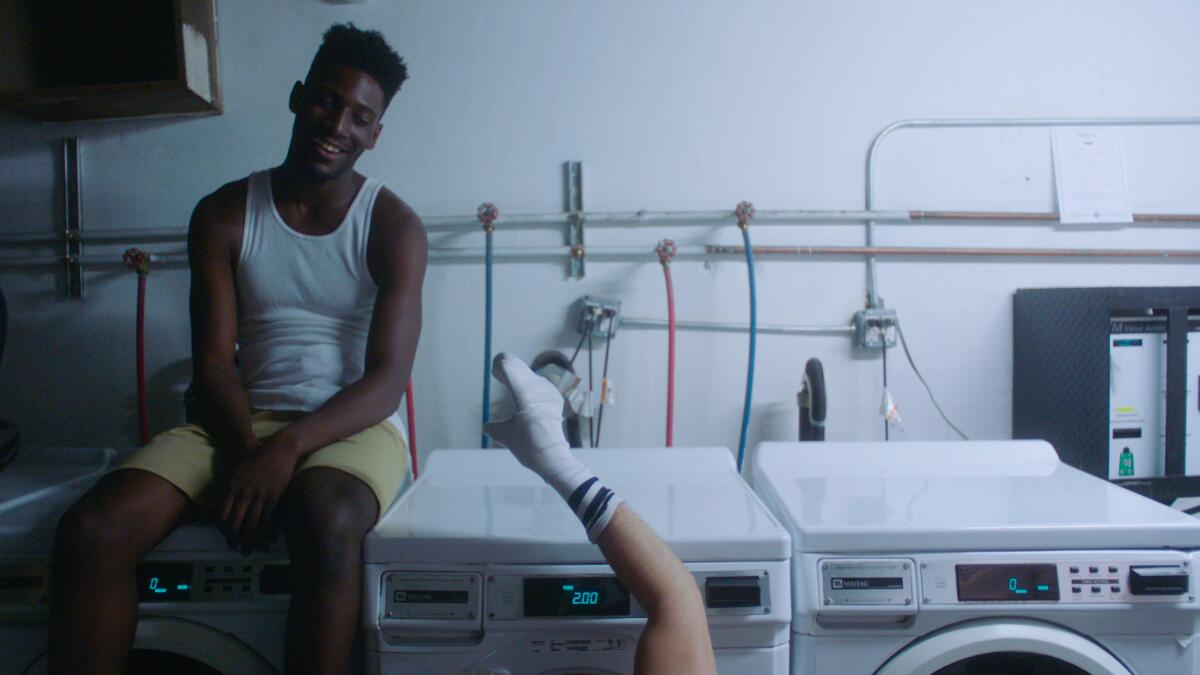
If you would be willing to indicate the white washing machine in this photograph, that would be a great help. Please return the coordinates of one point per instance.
(201, 604)
(984, 557)
(482, 568)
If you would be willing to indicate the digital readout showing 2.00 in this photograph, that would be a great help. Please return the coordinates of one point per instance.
(1007, 583)
(575, 596)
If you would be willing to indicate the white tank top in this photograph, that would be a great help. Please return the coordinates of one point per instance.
(304, 303)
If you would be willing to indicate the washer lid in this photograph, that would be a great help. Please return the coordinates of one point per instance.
(473, 506)
(947, 496)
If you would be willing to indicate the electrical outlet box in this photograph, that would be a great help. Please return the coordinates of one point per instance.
(875, 328)
(599, 315)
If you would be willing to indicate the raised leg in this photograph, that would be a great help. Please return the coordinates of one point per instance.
(325, 514)
(93, 606)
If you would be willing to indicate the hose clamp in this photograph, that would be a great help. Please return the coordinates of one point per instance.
(666, 250)
(744, 213)
(487, 214)
(137, 260)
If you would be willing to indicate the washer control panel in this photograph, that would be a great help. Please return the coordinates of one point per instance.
(1009, 578)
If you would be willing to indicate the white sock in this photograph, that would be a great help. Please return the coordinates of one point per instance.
(535, 436)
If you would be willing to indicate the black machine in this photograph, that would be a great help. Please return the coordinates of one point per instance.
(1103, 374)
(10, 439)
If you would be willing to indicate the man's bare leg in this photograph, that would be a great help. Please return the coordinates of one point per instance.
(326, 513)
(93, 607)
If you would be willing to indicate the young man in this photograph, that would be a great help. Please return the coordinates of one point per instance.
(676, 638)
(310, 275)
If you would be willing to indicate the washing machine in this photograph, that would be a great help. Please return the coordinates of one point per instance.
(977, 557)
(201, 605)
(482, 568)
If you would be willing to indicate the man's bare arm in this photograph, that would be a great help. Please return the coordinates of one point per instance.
(213, 244)
(676, 638)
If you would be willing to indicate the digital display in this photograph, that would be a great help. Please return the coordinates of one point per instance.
(164, 582)
(575, 596)
(1007, 583)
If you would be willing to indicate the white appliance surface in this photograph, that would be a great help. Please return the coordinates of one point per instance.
(457, 568)
(229, 620)
(936, 496)
(981, 557)
(483, 506)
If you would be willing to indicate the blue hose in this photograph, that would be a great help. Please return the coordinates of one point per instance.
(487, 339)
(753, 334)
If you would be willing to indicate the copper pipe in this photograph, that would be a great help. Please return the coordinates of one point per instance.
(1043, 217)
(964, 252)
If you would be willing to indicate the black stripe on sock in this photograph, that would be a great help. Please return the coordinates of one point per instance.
(601, 510)
(577, 495)
(594, 508)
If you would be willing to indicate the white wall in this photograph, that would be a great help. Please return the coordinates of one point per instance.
(670, 105)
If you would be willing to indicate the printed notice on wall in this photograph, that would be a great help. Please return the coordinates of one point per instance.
(1089, 175)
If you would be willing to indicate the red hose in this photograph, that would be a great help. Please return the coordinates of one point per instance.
(412, 428)
(138, 261)
(143, 424)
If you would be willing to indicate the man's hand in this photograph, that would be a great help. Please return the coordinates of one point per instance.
(254, 489)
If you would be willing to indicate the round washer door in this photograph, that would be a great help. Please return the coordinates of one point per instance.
(955, 644)
(201, 644)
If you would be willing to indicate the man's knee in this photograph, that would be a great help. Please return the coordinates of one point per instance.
(93, 534)
(117, 521)
(326, 515)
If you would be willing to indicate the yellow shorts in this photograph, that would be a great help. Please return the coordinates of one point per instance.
(186, 458)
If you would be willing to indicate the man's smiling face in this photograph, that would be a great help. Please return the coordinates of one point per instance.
(338, 117)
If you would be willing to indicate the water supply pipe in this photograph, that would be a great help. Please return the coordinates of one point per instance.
(487, 215)
(666, 251)
(136, 260)
(412, 427)
(745, 212)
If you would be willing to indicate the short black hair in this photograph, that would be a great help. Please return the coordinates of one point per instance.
(365, 50)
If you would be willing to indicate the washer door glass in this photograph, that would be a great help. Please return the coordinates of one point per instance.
(1006, 663)
(1003, 646)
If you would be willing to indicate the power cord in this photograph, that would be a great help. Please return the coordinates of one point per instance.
(604, 376)
(908, 355)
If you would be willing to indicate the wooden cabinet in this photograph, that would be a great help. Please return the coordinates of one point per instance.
(89, 60)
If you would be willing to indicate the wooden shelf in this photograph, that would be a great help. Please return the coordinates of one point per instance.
(87, 61)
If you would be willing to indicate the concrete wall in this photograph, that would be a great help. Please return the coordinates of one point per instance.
(670, 105)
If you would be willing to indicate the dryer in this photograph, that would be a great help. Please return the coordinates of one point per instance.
(200, 603)
(977, 557)
(480, 567)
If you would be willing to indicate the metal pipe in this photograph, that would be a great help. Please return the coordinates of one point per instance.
(663, 218)
(872, 290)
(624, 252)
(633, 322)
(1021, 216)
(960, 252)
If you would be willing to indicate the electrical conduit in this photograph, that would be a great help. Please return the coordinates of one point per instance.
(744, 212)
(666, 251)
(137, 260)
(487, 214)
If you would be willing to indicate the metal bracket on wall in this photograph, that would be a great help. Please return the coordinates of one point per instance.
(72, 218)
(573, 174)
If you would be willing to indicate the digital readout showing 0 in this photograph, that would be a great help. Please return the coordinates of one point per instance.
(575, 596)
(163, 582)
(1007, 583)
